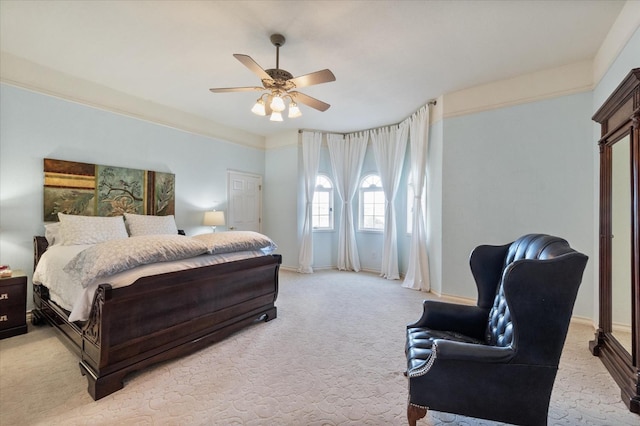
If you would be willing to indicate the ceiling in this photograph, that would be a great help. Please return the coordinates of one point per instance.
(389, 57)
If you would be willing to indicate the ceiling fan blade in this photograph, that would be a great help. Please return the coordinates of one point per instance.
(317, 77)
(248, 62)
(309, 101)
(236, 89)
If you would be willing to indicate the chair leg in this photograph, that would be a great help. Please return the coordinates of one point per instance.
(415, 413)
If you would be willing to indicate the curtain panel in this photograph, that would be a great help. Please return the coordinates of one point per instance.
(417, 276)
(389, 147)
(347, 155)
(311, 142)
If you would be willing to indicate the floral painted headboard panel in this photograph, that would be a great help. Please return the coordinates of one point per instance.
(95, 190)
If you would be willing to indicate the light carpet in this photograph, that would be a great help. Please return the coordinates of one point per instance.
(334, 356)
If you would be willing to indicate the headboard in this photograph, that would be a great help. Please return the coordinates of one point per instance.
(95, 190)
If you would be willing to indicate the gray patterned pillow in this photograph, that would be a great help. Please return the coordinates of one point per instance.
(90, 229)
(140, 224)
(231, 241)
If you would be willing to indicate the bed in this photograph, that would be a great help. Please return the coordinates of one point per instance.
(157, 317)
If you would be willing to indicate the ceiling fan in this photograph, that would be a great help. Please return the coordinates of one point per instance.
(278, 85)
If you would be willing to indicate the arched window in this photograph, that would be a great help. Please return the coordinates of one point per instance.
(371, 204)
(322, 208)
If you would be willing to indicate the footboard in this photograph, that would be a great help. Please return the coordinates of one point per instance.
(161, 317)
(164, 316)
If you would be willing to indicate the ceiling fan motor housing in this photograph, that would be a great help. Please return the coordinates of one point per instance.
(280, 79)
(277, 39)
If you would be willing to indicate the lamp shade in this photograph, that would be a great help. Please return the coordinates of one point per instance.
(276, 116)
(214, 218)
(294, 111)
(258, 108)
(277, 104)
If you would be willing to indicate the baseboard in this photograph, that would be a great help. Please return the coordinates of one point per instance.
(456, 299)
(584, 321)
(449, 298)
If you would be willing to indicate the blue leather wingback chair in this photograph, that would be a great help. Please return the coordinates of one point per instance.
(497, 360)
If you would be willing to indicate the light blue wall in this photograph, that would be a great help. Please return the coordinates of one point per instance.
(514, 171)
(280, 201)
(35, 126)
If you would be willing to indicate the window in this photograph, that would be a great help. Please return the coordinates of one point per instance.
(371, 204)
(322, 207)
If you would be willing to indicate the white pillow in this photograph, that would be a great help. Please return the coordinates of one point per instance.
(90, 229)
(140, 224)
(52, 233)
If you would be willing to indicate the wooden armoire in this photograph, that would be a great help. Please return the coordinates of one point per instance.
(617, 340)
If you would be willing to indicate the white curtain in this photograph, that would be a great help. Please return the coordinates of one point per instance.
(389, 147)
(347, 155)
(311, 142)
(417, 276)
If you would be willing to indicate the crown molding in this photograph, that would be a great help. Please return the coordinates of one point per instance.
(28, 75)
(532, 87)
(625, 25)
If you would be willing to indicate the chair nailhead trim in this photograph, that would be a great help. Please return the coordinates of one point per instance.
(418, 406)
(427, 365)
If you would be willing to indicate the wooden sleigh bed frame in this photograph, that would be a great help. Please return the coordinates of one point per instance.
(161, 317)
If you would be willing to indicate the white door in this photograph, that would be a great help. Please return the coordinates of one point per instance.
(244, 193)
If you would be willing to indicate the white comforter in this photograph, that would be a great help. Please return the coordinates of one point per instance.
(73, 290)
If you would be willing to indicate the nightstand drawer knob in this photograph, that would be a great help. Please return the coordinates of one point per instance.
(4, 296)
(3, 318)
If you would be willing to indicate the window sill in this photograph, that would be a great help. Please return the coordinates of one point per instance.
(371, 231)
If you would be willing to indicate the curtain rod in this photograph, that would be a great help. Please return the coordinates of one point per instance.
(431, 102)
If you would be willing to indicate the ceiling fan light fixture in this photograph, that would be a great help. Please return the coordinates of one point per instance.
(294, 111)
(258, 108)
(278, 84)
(276, 116)
(277, 104)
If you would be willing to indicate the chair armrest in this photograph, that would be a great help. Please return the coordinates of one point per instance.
(468, 320)
(460, 351)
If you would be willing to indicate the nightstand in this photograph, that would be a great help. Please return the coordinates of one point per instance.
(13, 305)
